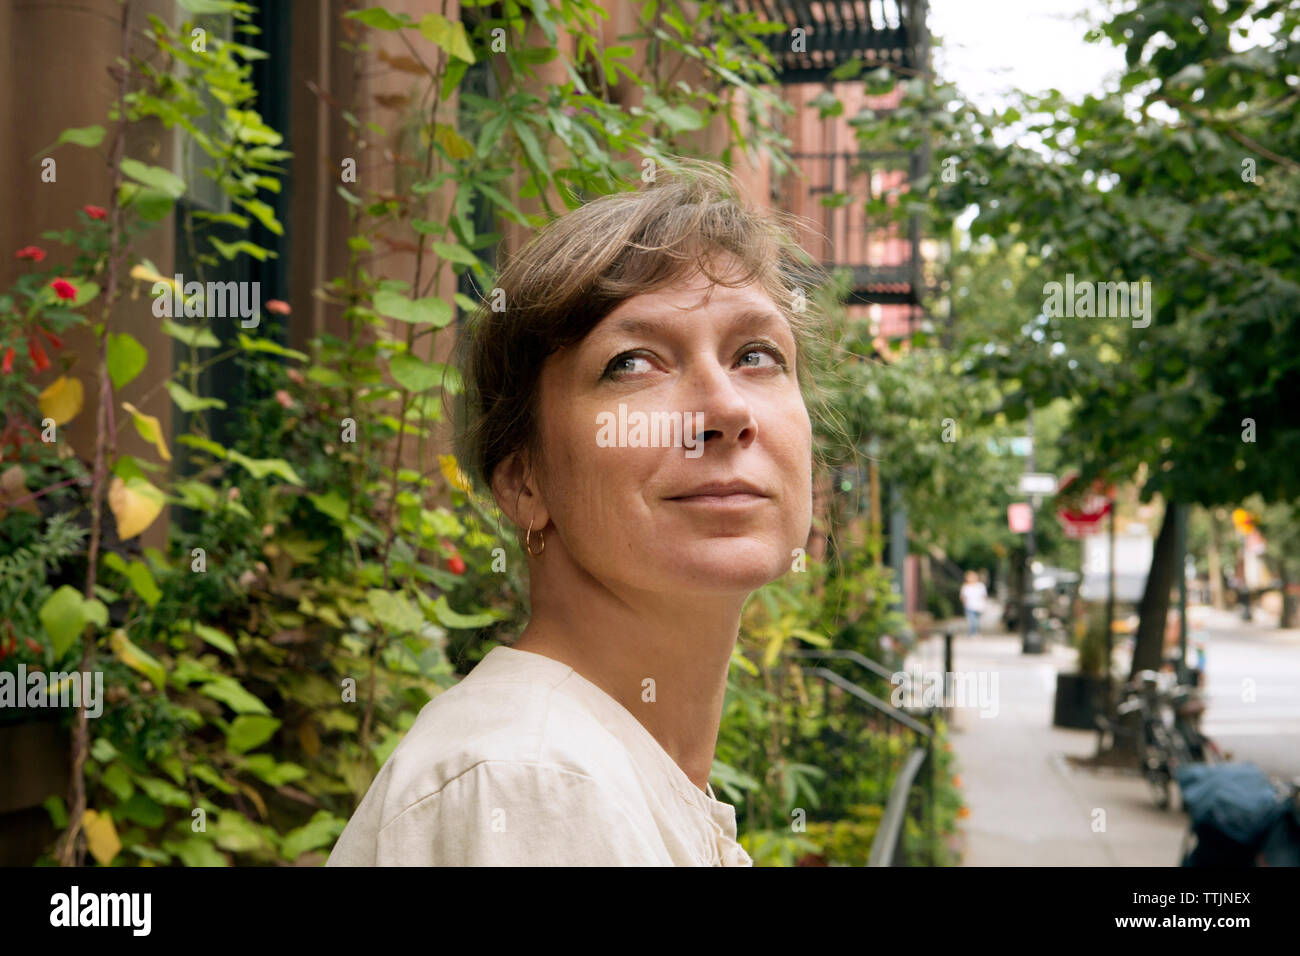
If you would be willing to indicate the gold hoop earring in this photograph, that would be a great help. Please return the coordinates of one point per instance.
(528, 540)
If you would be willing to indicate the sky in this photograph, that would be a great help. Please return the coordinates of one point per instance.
(991, 46)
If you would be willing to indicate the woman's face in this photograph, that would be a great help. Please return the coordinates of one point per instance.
(632, 509)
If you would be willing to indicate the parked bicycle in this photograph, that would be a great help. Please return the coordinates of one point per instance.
(1170, 736)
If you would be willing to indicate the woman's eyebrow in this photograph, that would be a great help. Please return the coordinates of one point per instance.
(644, 325)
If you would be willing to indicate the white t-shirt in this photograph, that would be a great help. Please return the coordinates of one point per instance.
(527, 763)
(973, 596)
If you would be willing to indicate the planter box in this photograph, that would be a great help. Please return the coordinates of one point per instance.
(1080, 698)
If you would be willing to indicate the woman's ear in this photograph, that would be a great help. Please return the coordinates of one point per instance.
(515, 489)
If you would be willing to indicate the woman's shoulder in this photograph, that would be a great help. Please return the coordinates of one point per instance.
(514, 710)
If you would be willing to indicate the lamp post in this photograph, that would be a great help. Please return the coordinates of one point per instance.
(1030, 640)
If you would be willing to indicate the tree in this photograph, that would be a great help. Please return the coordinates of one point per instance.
(1182, 184)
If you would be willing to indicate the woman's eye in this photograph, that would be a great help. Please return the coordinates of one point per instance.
(778, 360)
(616, 364)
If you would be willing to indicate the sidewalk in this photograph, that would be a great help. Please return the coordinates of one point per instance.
(1028, 805)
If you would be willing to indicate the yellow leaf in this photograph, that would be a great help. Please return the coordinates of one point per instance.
(457, 146)
(101, 836)
(136, 659)
(62, 400)
(150, 429)
(146, 274)
(135, 505)
(308, 738)
(451, 471)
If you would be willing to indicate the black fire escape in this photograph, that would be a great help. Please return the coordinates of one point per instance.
(879, 33)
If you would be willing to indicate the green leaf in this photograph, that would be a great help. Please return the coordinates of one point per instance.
(247, 732)
(320, 831)
(328, 377)
(126, 358)
(65, 615)
(380, 19)
(155, 177)
(216, 638)
(210, 776)
(88, 136)
(151, 205)
(264, 214)
(138, 808)
(196, 495)
(86, 292)
(453, 252)
(261, 467)
(412, 373)
(207, 7)
(118, 781)
(267, 345)
(393, 610)
(138, 573)
(187, 401)
(448, 34)
(160, 791)
(203, 444)
(433, 312)
(231, 693)
(531, 146)
(230, 250)
(416, 375)
(449, 618)
(196, 851)
(678, 119)
(194, 337)
(332, 504)
(265, 768)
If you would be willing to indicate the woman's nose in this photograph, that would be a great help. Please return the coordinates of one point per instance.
(722, 408)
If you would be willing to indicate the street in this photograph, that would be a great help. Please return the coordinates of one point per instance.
(1031, 806)
(1253, 691)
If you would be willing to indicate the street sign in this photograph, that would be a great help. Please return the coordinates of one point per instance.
(1243, 520)
(1020, 517)
(1037, 483)
(1084, 519)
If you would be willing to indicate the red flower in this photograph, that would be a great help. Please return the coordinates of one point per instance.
(36, 648)
(8, 365)
(456, 564)
(95, 212)
(35, 253)
(64, 289)
(277, 306)
(39, 358)
(54, 339)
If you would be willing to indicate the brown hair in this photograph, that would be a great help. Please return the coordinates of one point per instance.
(581, 266)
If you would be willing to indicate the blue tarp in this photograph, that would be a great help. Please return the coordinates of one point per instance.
(1236, 799)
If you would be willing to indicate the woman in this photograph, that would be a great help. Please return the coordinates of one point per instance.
(590, 740)
(973, 596)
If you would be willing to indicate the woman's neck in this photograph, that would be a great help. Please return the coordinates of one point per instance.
(665, 660)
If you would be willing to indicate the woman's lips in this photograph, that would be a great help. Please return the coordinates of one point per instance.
(732, 501)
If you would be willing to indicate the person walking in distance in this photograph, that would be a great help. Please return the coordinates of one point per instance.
(973, 596)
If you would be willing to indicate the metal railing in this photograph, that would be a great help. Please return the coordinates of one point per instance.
(914, 782)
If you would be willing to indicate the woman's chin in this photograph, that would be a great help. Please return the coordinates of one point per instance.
(728, 568)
